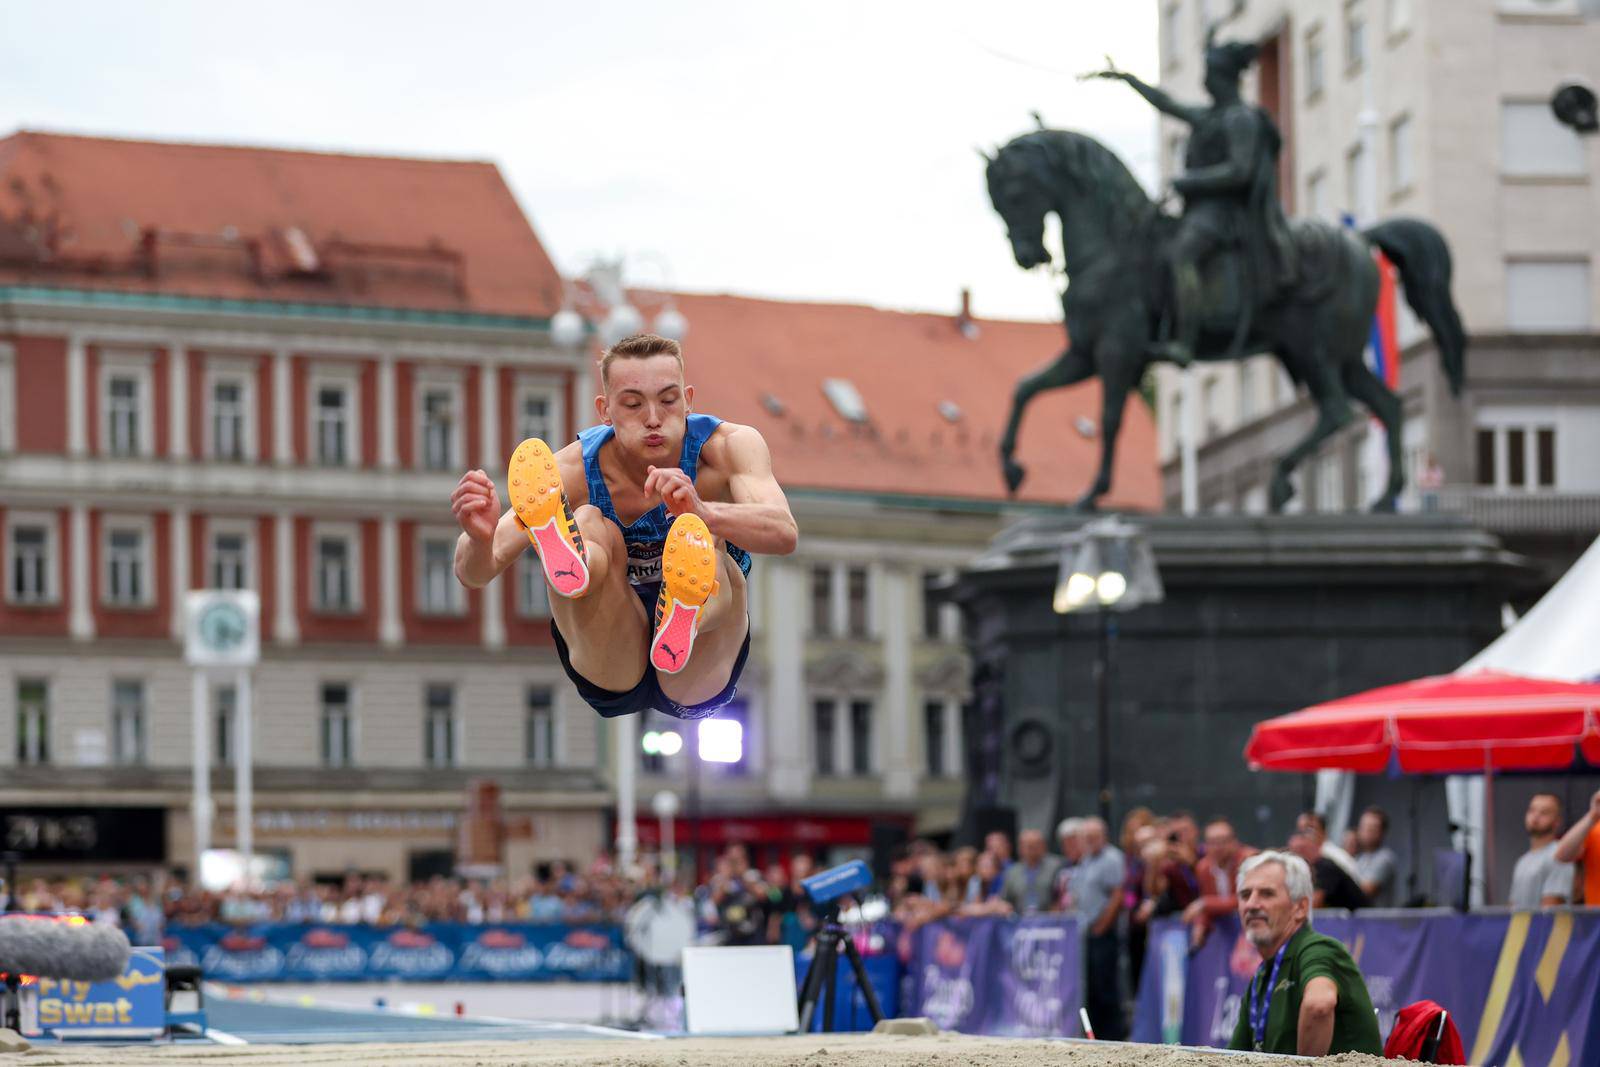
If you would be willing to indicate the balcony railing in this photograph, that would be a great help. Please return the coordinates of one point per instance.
(1511, 511)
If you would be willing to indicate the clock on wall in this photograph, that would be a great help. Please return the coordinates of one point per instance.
(223, 628)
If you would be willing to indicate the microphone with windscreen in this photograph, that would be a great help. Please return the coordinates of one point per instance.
(71, 947)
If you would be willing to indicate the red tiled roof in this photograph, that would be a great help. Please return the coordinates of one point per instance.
(740, 349)
(237, 222)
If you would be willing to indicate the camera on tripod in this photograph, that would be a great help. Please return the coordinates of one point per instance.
(825, 890)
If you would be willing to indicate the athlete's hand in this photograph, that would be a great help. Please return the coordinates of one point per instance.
(476, 506)
(676, 490)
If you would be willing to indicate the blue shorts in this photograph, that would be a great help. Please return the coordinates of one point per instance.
(647, 693)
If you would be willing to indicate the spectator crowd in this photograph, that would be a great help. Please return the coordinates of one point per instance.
(1159, 866)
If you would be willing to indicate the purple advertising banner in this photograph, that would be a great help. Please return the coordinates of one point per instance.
(1039, 967)
(999, 976)
(952, 973)
(1521, 987)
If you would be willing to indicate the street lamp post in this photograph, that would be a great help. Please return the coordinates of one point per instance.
(1106, 566)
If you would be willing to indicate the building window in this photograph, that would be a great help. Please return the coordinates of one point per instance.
(122, 415)
(1317, 194)
(823, 732)
(541, 726)
(932, 613)
(933, 732)
(439, 429)
(861, 737)
(538, 414)
(31, 569)
(1355, 38)
(1548, 296)
(338, 748)
(228, 413)
(127, 723)
(1534, 144)
(1486, 464)
(1355, 180)
(1399, 17)
(1516, 457)
(1316, 65)
(332, 425)
(230, 560)
(33, 721)
(225, 715)
(856, 590)
(127, 567)
(8, 397)
(335, 575)
(438, 591)
(1400, 176)
(533, 593)
(821, 599)
(439, 727)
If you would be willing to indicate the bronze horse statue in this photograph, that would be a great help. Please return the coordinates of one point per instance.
(1114, 241)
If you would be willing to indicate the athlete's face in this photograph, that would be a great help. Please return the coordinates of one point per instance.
(647, 404)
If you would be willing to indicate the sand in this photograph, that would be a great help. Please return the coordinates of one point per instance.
(822, 1050)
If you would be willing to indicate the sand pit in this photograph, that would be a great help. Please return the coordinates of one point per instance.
(856, 1050)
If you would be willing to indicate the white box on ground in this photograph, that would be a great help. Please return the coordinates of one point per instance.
(745, 990)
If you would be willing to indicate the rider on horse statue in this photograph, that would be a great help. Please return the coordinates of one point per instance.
(1229, 188)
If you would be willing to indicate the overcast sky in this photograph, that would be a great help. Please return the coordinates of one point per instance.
(818, 150)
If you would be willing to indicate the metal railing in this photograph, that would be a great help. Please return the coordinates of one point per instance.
(1511, 511)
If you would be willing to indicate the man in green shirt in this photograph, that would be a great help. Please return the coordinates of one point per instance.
(1307, 998)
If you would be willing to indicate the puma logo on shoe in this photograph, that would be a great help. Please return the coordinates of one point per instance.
(669, 650)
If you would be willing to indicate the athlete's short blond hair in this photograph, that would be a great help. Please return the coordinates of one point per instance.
(639, 346)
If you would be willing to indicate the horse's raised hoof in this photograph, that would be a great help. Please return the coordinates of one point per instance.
(1281, 493)
(1014, 473)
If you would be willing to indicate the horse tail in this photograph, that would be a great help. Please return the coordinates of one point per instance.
(1419, 252)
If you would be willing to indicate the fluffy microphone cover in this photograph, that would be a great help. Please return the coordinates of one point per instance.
(52, 948)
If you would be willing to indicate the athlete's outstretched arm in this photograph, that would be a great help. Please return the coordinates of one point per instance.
(489, 541)
(757, 519)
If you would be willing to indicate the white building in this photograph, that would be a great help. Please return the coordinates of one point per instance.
(1439, 109)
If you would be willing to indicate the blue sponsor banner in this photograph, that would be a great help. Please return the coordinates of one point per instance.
(952, 973)
(849, 1006)
(313, 952)
(130, 1005)
(1521, 987)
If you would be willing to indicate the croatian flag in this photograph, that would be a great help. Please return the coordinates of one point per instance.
(1383, 348)
(1383, 342)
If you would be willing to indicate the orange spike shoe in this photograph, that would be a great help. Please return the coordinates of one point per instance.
(688, 580)
(542, 511)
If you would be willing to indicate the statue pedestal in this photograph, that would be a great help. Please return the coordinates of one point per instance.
(1262, 616)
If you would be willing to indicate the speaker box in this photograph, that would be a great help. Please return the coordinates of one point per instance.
(888, 838)
(988, 819)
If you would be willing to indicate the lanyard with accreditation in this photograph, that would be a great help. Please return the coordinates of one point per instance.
(1259, 1011)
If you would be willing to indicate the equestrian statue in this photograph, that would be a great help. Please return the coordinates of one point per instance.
(1228, 278)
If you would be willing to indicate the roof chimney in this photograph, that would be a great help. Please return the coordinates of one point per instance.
(964, 320)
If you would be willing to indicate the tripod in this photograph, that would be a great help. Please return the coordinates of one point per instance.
(823, 974)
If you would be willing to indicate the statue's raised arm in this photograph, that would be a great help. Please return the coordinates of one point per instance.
(1159, 98)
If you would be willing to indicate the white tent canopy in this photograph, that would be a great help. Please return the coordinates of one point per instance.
(1560, 637)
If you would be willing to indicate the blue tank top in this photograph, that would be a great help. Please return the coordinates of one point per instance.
(647, 534)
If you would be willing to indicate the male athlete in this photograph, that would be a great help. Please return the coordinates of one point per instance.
(636, 525)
